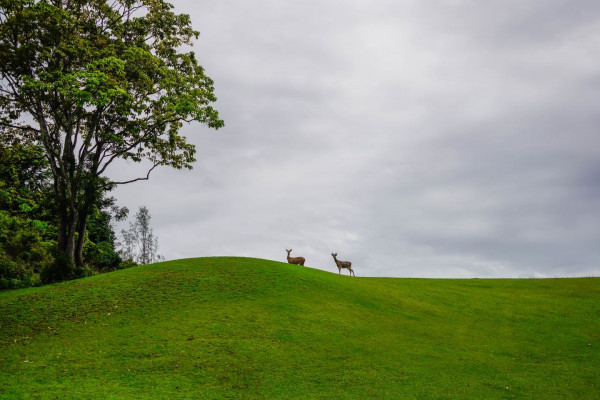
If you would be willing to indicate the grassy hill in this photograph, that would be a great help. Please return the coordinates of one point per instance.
(245, 328)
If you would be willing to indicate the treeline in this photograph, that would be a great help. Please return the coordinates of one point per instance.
(28, 224)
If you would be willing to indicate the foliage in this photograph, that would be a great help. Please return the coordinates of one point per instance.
(23, 252)
(102, 255)
(222, 328)
(28, 233)
(61, 269)
(139, 243)
(99, 248)
(25, 182)
(95, 81)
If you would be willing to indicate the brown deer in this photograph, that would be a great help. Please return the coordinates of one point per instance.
(294, 260)
(343, 264)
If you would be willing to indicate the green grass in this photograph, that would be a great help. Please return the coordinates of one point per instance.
(224, 328)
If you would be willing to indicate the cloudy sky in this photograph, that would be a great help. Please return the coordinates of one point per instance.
(452, 139)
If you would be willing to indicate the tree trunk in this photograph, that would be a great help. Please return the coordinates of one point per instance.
(80, 242)
(85, 209)
(66, 224)
(87, 202)
(62, 232)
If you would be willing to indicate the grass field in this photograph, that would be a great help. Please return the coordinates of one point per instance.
(224, 328)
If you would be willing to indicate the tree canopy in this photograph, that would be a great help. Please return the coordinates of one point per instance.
(93, 81)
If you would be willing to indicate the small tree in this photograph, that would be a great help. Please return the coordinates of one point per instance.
(139, 242)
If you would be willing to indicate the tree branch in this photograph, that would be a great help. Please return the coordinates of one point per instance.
(137, 179)
(27, 128)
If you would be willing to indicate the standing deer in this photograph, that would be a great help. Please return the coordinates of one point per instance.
(343, 264)
(294, 260)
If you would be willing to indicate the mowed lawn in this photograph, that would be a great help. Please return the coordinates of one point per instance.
(224, 328)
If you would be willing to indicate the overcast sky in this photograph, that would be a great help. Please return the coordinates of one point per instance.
(415, 138)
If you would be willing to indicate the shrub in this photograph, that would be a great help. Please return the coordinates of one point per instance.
(16, 274)
(23, 252)
(101, 256)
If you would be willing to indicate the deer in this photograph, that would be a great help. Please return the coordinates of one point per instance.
(343, 264)
(294, 260)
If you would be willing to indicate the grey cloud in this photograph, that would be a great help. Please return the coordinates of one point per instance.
(446, 139)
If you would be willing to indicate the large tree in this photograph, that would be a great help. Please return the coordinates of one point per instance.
(94, 81)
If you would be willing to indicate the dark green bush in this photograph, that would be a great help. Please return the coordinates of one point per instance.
(102, 256)
(23, 252)
(61, 269)
(16, 274)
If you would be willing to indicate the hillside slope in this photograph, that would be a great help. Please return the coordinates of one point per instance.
(247, 328)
